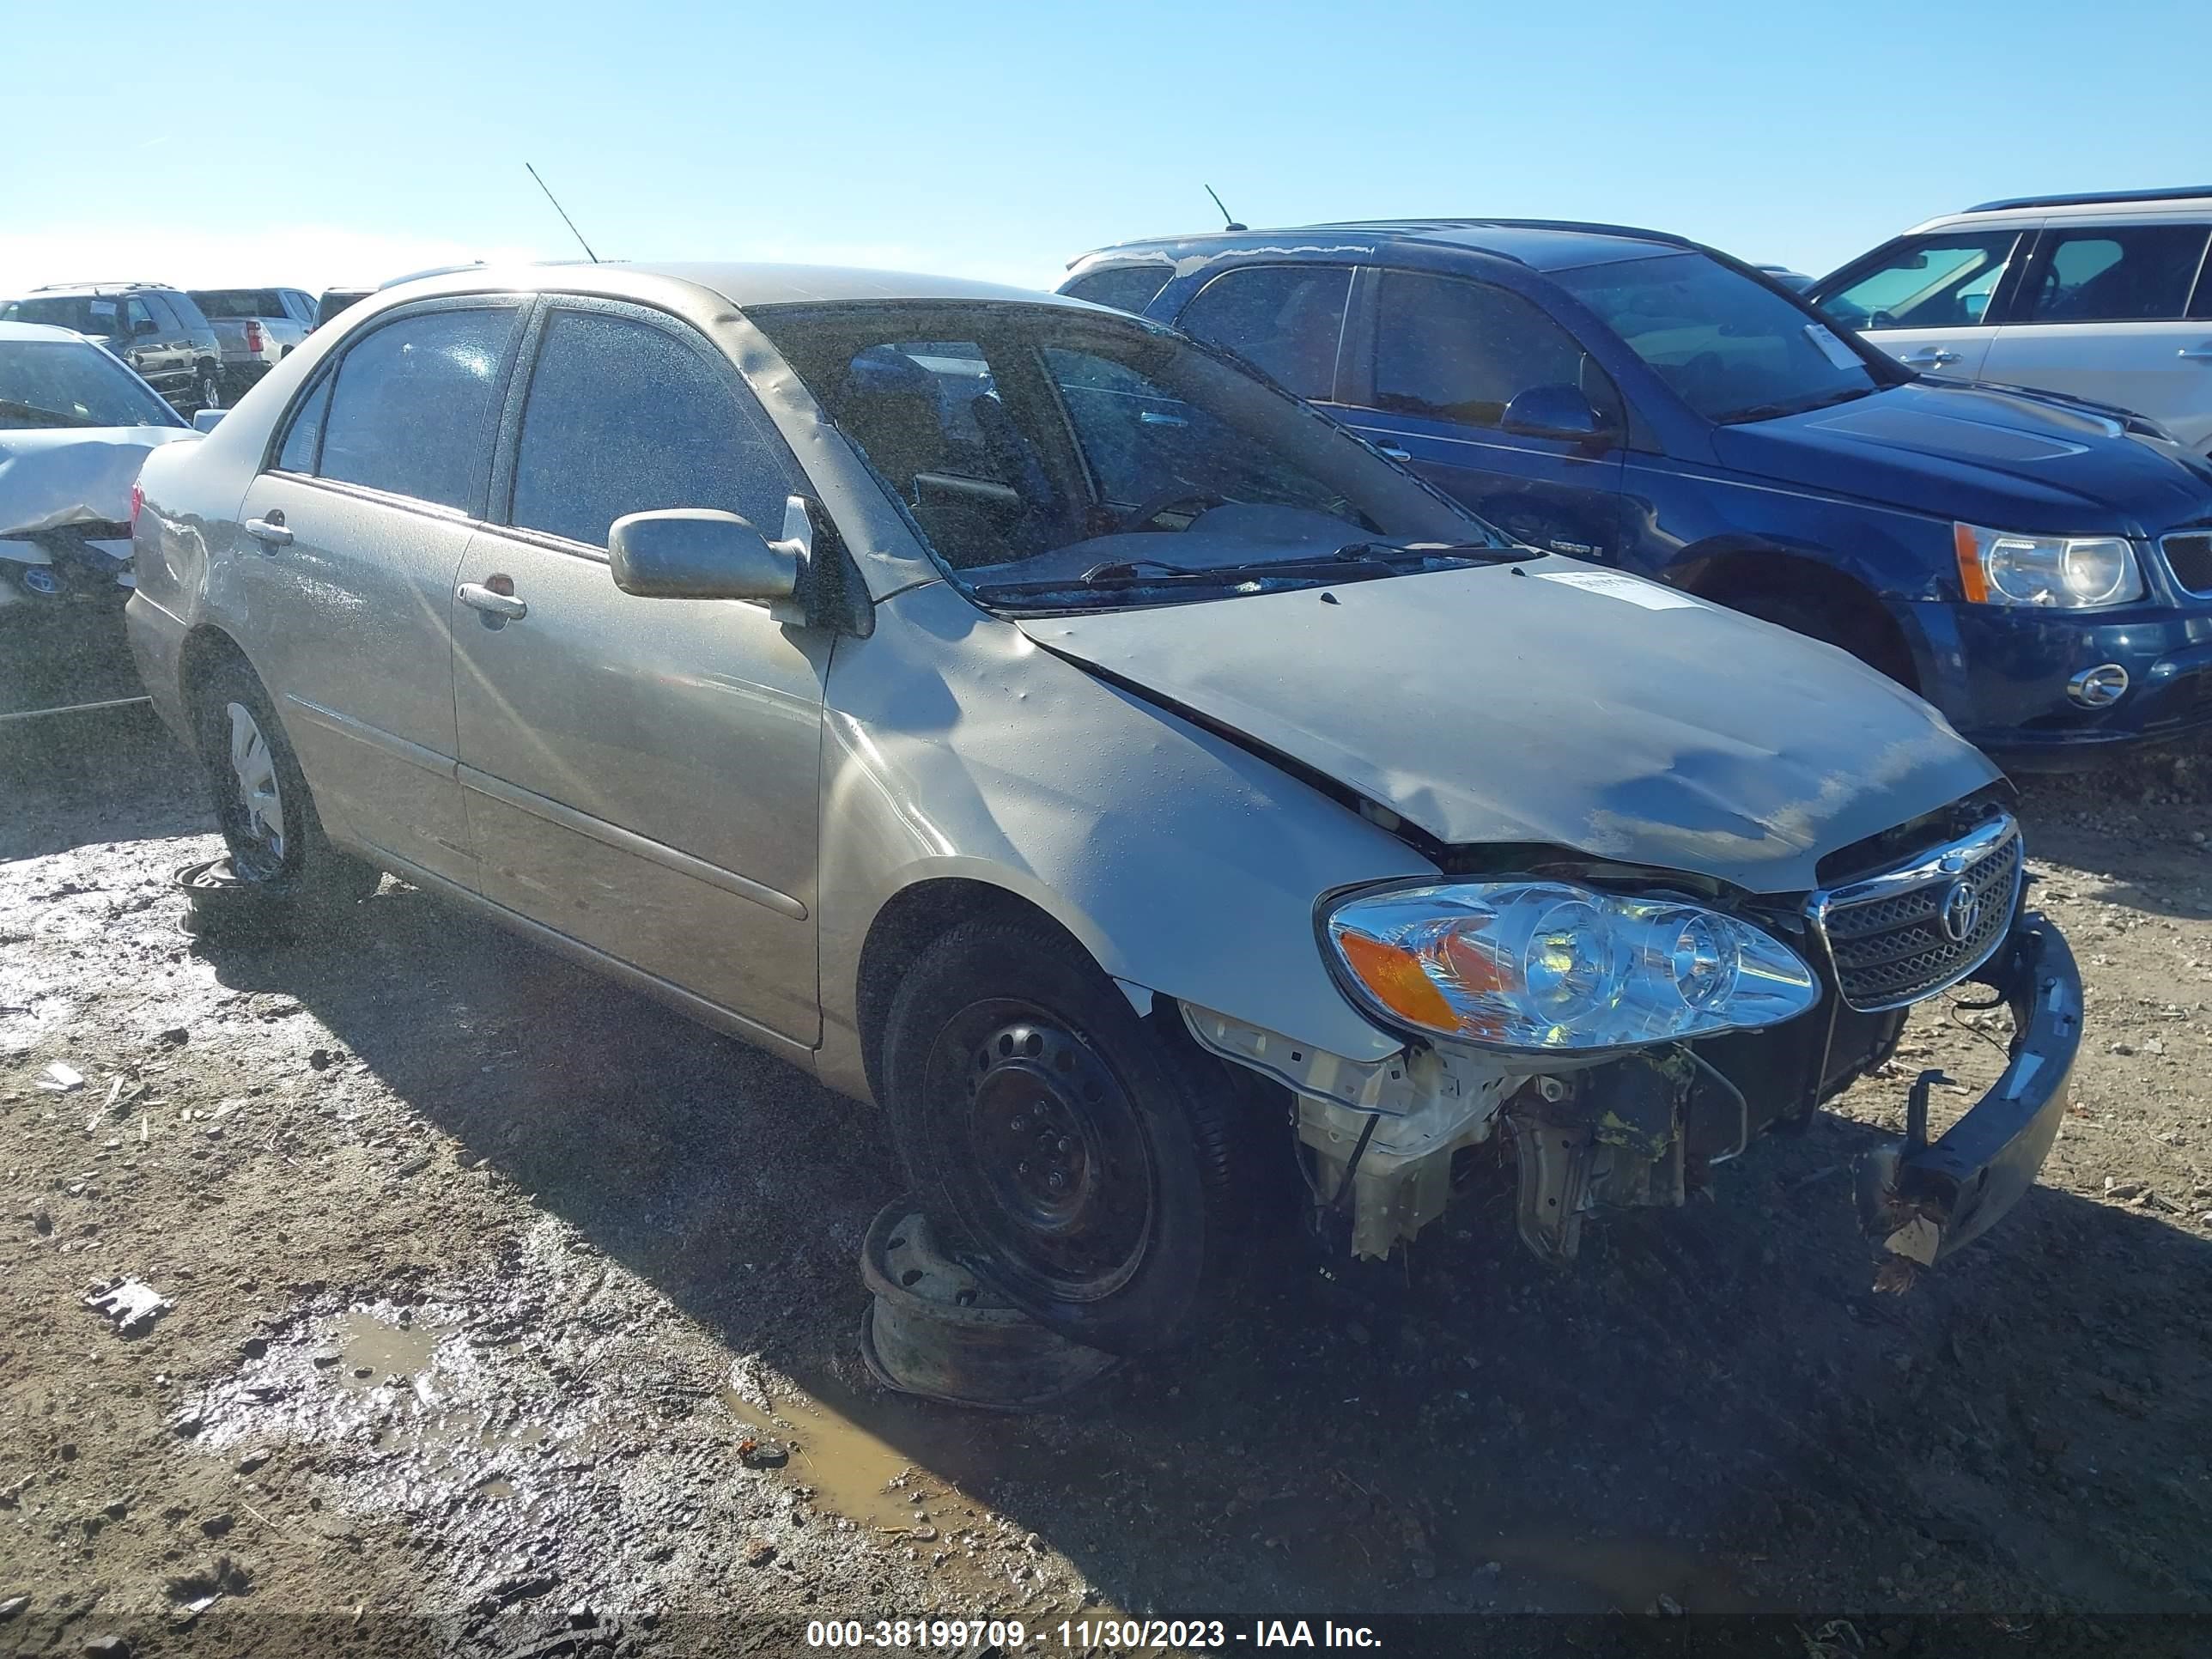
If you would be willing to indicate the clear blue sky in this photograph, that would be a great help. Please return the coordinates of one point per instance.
(321, 143)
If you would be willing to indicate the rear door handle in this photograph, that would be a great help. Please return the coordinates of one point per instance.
(1392, 451)
(477, 597)
(270, 531)
(1929, 357)
(2197, 354)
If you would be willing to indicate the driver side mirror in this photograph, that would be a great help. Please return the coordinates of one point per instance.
(144, 326)
(698, 553)
(1559, 411)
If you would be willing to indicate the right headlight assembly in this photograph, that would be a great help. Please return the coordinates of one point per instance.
(1998, 567)
(1551, 967)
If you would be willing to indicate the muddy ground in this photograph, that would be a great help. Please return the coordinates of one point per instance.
(483, 1271)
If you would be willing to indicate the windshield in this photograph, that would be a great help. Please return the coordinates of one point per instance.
(1730, 347)
(238, 301)
(1035, 444)
(84, 313)
(46, 383)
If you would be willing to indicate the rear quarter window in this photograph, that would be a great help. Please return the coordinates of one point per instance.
(1126, 288)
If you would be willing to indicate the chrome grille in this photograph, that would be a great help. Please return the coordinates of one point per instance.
(2190, 557)
(1906, 933)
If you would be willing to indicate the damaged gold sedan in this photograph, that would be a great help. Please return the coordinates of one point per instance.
(1039, 724)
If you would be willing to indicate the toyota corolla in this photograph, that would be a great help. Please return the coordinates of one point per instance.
(1032, 721)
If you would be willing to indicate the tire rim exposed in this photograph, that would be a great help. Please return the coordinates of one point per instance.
(257, 806)
(1053, 1175)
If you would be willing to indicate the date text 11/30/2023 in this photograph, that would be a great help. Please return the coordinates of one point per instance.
(1085, 1634)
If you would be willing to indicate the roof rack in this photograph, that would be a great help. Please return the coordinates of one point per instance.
(48, 287)
(1475, 222)
(2092, 199)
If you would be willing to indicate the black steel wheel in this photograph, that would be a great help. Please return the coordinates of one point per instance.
(1082, 1163)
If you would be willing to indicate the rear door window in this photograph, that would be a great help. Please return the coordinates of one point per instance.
(1455, 350)
(412, 406)
(1126, 288)
(2113, 274)
(1286, 321)
(1939, 281)
(624, 415)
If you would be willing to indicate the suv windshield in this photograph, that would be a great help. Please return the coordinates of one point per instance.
(1730, 347)
(46, 383)
(1049, 448)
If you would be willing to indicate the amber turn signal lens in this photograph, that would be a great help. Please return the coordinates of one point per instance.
(1395, 978)
(1973, 580)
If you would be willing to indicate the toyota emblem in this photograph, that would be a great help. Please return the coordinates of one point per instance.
(1962, 911)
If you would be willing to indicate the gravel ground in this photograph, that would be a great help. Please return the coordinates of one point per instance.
(489, 1283)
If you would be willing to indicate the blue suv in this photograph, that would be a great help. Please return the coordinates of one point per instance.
(2038, 567)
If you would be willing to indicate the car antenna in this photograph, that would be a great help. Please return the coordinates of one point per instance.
(565, 219)
(1228, 223)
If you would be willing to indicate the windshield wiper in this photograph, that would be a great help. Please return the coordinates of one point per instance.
(1802, 406)
(1362, 560)
(20, 412)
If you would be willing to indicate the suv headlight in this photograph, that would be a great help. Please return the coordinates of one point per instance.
(1998, 567)
(1550, 966)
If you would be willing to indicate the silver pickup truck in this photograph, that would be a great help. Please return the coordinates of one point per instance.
(257, 326)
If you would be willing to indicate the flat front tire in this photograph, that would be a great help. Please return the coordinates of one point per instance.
(1073, 1156)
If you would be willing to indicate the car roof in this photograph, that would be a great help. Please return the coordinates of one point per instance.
(2188, 195)
(66, 290)
(746, 286)
(1539, 244)
(43, 332)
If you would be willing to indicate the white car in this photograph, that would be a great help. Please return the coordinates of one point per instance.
(2103, 297)
(75, 424)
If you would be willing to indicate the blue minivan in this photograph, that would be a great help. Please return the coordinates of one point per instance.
(2039, 567)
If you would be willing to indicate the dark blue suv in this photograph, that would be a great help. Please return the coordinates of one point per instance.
(2039, 567)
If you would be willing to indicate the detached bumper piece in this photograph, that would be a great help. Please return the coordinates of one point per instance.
(1920, 1202)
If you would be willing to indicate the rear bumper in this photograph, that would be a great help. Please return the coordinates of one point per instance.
(1921, 1203)
(157, 646)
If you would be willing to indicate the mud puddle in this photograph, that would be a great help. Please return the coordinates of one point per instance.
(920, 1474)
(374, 1349)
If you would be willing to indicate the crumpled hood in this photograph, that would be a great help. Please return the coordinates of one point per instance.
(1567, 705)
(51, 477)
(2009, 459)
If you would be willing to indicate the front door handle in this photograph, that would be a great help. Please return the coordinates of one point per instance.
(477, 597)
(1392, 451)
(1929, 357)
(270, 531)
(2197, 354)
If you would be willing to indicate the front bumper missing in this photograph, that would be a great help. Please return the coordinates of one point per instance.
(1920, 1202)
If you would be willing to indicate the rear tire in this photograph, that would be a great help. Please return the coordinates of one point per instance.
(267, 816)
(1071, 1154)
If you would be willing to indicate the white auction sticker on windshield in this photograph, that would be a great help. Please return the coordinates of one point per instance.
(1614, 585)
(1830, 348)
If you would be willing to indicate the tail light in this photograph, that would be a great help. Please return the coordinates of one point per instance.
(253, 337)
(137, 500)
